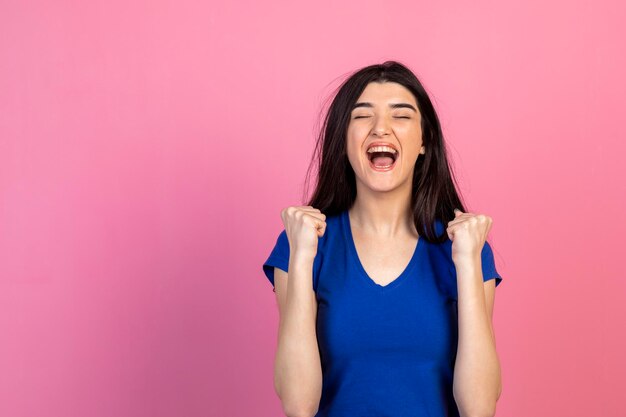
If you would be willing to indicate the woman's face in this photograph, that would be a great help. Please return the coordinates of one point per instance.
(385, 113)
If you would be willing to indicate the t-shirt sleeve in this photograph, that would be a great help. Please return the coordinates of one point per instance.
(279, 257)
(489, 265)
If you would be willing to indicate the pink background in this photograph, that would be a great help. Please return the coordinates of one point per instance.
(147, 148)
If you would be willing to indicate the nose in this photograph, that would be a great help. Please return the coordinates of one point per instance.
(381, 127)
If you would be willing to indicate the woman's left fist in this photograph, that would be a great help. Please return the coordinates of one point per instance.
(468, 232)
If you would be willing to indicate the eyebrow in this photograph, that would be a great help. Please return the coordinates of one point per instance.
(392, 105)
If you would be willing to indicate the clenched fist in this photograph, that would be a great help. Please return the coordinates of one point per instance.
(468, 233)
(303, 225)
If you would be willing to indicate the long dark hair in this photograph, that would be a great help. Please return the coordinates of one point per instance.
(434, 195)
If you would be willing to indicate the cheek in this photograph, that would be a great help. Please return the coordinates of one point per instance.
(413, 142)
(353, 143)
(410, 130)
(411, 153)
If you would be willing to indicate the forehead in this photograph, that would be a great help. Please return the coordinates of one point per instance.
(381, 93)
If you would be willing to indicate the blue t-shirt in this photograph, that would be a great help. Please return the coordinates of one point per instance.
(385, 350)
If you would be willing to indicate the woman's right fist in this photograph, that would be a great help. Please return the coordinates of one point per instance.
(303, 225)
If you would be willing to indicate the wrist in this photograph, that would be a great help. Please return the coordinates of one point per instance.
(302, 257)
(466, 261)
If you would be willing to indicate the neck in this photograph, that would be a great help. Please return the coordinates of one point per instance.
(385, 214)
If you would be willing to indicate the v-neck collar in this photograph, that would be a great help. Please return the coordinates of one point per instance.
(345, 221)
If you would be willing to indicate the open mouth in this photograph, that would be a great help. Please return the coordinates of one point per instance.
(382, 160)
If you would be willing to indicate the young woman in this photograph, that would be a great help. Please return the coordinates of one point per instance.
(385, 290)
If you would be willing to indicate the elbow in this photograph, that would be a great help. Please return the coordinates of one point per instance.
(482, 409)
(482, 413)
(299, 412)
(299, 409)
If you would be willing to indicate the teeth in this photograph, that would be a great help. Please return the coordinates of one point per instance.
(381, 149)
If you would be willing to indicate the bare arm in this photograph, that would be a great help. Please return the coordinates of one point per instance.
(297, 367)
(477, 379)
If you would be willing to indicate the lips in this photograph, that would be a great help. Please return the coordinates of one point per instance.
(384, 158)
(391, 145)
(381, 149)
